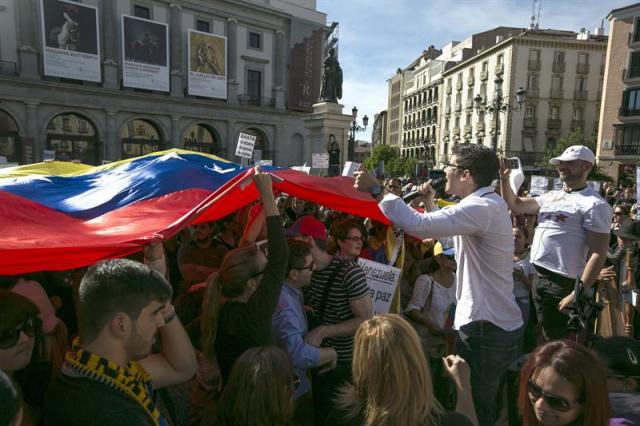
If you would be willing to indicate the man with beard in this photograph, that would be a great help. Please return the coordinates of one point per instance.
(200, 257)
(109, 376)
(571, 239)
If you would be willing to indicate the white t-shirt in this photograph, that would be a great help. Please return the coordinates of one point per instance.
(483, 239)
(560, 240)
(520, 289)
(441, 298)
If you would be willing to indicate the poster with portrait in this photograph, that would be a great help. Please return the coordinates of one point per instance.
(71, 46)
(145, 51)
(207, 65)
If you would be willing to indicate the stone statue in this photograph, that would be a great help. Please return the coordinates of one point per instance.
(331, 89)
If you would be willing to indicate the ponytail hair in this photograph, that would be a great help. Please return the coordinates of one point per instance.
(238, 266)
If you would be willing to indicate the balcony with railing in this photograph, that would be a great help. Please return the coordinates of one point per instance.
(582, 69)
(627, 148)
(245, 99)
(447, 109)
(580, 95)
(499, 69)
(530, 123)
(458, 107)
(554, 123)
(558, 67)
(469, 104)
(470, 81)
(467, 130)
(533, 92)
(456, 131)
(484, 75)
(8, 68)
(448, 90)
(459, 85)
(480, 127)
(534, 64)
(556, 93)
(631, 73)
(628, 112)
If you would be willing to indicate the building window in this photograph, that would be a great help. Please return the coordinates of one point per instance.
(534, 54)
(581, 84)
(254, 83)
(500, 58)
(485, 66)
(627, 140)
(577, 113)
(532, 81)
(255, 40)
(631, 102)
(634, 65)
(556, 83)
(558, 57)
(636, 30)
(554, 113)
(583, 58)
(141, 11)
(530, 111)
(202, 26)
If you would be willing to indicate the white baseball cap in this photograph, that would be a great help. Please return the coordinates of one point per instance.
(575, 152)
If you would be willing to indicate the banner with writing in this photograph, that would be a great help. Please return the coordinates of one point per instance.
(382, 280)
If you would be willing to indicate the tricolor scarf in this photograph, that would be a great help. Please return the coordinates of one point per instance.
(133, 381)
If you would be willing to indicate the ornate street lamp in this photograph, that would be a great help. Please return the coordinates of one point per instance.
(498, 105)
(355, 128)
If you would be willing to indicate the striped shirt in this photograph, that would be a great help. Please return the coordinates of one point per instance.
(350, 283)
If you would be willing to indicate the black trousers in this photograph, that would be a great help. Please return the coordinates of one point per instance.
(325, 389)
(546, 296)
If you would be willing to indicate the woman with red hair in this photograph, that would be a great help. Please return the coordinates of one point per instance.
(563, 383)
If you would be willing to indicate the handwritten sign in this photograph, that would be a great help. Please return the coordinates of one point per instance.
(383, 281)
(245, 145)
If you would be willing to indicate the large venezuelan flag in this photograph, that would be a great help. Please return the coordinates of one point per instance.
(57, 216)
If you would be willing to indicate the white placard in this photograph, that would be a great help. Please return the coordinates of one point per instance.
(594, 184)
(265, 163)
(383, 281)
(70, 37)
(349, 168)
(145, 54)
(320, 160)
(207, 64)
(539, 185)
(49, 155)
(303, 169)
(245, 145)
(557, 184)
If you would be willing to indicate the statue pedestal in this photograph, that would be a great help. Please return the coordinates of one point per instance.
(325, 125)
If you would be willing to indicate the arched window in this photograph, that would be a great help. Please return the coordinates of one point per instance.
(201, 138)
(139, 137)
(9, 139)
(73, 138)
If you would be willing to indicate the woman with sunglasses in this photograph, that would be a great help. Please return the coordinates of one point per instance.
(241, 297)
(563, 383)
(21, 342)
(259, 391)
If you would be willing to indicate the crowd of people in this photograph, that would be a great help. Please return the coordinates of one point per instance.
(265, 317)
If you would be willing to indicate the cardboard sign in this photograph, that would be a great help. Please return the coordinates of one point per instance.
(245, 145)
(383, 281)
(350, 168)
(320, 160)
(539, 185)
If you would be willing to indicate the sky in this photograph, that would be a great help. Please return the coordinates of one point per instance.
(379, 36)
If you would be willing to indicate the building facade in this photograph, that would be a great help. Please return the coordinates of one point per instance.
(103, 80)
(394, 108)
(619, 134)
(379, 129)
(562, 72)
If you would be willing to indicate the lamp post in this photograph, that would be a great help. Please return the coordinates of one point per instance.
(498, 105)
(355, 128)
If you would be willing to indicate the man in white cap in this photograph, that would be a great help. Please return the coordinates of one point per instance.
(571, 239)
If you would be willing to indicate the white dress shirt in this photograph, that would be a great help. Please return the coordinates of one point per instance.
(483, 239)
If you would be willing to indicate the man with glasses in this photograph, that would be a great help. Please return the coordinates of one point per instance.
(339, 297)
(487, 317)
(290, 324)
(571, 239)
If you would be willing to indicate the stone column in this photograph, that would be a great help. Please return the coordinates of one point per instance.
(232, 61)
(32, 130)
(175, 133)
(27, 44)
(230, 143)
(176, 39)
(109, 29)
(112, 146)
(280, 70)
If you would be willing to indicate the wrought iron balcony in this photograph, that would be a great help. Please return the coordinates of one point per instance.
(558, 67)
(8, 68)
(534, 64)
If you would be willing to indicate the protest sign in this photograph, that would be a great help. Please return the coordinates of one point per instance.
(382, 280)
(350, 168)
(245, 145)
(320, 160)
(539, 185)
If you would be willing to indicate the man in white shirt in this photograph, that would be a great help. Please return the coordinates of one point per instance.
(487, 317)
(571, 239)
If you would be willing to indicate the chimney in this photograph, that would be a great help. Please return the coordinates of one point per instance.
(499, 38)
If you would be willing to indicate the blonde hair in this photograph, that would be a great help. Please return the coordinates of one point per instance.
(259, 391)
(391, 378)
(238, 266)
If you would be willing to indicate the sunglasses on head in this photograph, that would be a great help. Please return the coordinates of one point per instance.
(9, 338)
(555, 402)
